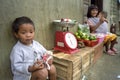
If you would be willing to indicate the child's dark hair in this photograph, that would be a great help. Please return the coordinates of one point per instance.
(104, 13)
(19, 21)
(90, 8)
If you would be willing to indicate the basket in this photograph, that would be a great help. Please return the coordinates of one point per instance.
(91, 43)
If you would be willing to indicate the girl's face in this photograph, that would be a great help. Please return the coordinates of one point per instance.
(94, 12)
(25, 33)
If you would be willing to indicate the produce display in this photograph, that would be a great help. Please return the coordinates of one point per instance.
(83, 34)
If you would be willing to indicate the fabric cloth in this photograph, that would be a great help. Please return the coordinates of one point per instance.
(110, 37)
(22, 57)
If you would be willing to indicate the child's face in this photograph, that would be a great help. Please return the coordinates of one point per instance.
(94, 12)
(100, 15)
(25, 33)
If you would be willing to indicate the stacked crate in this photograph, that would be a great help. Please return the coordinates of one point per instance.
(68, 66)
(73, 66)
(87, 56)
(98, 51)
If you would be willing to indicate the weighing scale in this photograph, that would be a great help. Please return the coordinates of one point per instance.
(65, 41)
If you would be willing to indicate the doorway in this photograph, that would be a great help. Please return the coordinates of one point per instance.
(98, 3)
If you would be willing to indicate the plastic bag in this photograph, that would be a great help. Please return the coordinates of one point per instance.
(84, 28)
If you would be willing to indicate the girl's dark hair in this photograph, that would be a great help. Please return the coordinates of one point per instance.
(19, 21)
(90, 8)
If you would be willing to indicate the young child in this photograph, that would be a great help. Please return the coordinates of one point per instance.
(100, 25)
(27, 57)
(109, 36)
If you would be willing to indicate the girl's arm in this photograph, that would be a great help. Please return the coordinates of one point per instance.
(94, 27)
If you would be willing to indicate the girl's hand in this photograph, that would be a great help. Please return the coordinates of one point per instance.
(89, 23)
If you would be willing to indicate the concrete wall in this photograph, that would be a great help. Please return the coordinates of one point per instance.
(106, 7)
(112, 8)
(42, 12)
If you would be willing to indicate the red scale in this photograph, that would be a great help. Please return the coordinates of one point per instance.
(65, 41)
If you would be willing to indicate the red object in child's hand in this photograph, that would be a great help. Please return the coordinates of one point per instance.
(45, 57)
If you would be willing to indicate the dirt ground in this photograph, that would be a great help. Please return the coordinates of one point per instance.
(106, 68)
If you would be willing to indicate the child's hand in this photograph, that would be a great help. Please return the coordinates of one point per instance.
(38, 64)
(50, 61)
(102, 19)
(106, 20)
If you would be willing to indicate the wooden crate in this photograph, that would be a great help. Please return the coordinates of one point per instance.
(87, 56)
(68, 66)
(73, 66)
(98, 51)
